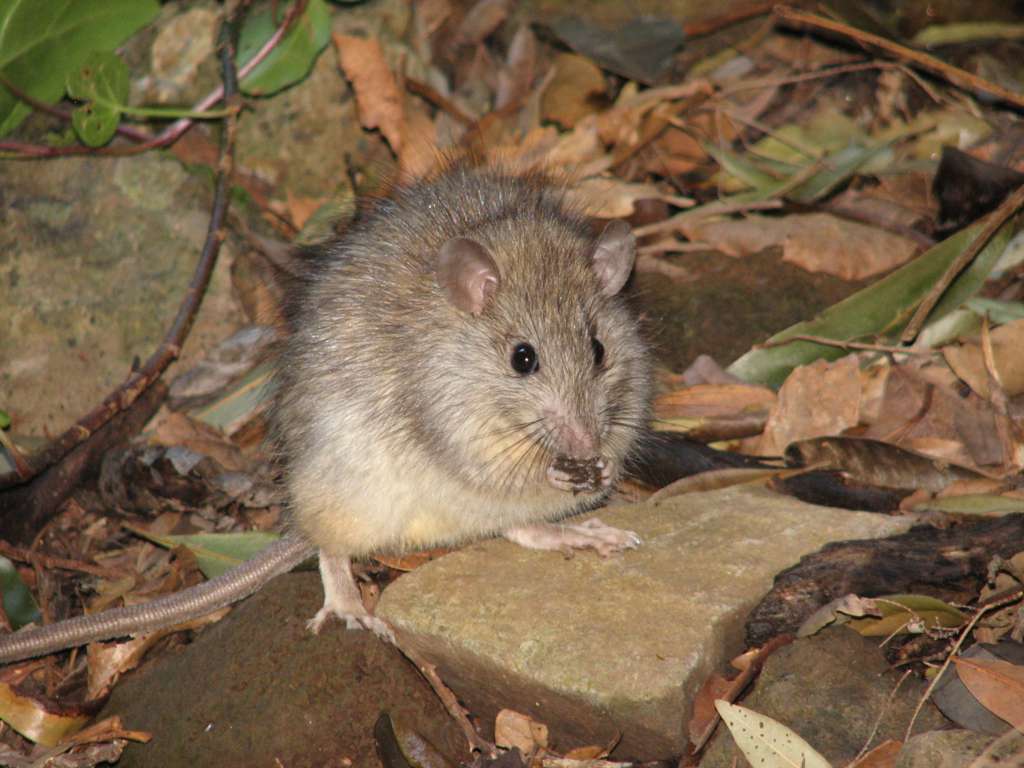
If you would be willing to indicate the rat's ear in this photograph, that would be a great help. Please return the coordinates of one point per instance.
(467, 274)
(614, 255)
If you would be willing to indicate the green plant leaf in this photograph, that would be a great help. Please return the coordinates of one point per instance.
(767, 743)
(19, 605)
(898, 610)
(216, 553)
(882, 308)
(5, 419)
(293, 57)
(41, 41)
(102, 83)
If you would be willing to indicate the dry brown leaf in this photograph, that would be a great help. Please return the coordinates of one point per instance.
(411, 560)
(997, 685)
(481, 20)
(815, 400)
(610, 198)
(301, 208)
(419, 153)
(513, 729)
(378, 99)
(705, 716)
(714, 400)
(967, 360)
(882, 756)
(431, 14)
(516, 77)
(177, 429)
(816, 242)
(570, 95)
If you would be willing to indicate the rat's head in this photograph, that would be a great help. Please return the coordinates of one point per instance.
(553, 377)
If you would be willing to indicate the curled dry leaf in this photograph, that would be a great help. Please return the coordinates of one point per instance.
(872, 462)
(513, 729)
(377, 96)
(516, 77)
(569, 96)
(817, 399)
(610, 198)
(481, 20)
(816, 242)
(704, 406)
(716, 687)
(837, 611)
(968, 362)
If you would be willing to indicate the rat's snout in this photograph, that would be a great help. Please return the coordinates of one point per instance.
(572, 439)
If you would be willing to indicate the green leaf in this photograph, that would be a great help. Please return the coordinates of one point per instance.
(5, 420)
(293, 57)
(102, 83)
(767, 743)
(880, 309)
(41, 41)
(19, 605)
(898, 610)
(966, 32)
(216, 553)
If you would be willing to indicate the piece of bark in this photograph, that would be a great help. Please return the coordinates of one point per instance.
(946, 563)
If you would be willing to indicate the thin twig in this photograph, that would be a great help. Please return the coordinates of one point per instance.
(954, 75)
(719, 208)
(439, 100)
(995, 221)
(863, 346)
(139, 381)
(448, 699)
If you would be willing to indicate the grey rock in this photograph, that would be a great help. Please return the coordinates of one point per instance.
(598, 649)
(947, 749)
(832, 689)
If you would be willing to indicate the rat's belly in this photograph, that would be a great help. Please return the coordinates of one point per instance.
(416, 506)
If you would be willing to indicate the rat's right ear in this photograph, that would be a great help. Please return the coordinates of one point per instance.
(467, 274)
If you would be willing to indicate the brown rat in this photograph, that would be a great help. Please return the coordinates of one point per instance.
(460, 365)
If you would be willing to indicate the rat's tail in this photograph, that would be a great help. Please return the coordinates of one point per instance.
(238, 583)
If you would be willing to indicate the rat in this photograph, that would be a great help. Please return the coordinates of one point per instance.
(460, 364)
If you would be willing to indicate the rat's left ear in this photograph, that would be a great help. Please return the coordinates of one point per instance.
(614, 255)
(467, 274)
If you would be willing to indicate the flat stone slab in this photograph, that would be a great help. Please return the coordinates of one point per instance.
(606, 649)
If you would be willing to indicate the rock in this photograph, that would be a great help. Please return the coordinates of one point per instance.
(95, 256)
(831, 689)
(258, 689)
(946, 749)
(617, 647)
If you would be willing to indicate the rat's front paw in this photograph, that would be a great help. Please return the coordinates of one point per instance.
(590, 534)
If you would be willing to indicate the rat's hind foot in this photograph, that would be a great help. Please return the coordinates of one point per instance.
(342, 599)
(590, 534)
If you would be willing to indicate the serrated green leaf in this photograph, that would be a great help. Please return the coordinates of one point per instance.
(767, 743)
(880, 309)
(898, 610)
(293, 57)
(41, 41)
(19, 605)
(215, 553)
(102, 83)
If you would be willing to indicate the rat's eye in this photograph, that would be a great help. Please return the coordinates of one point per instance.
(524, 359)
(598, 351)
